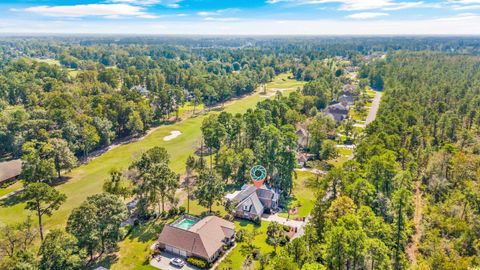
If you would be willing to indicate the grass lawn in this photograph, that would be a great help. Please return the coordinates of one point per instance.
(343, 155)
(303, 196)
(134, 252)
(235, 259)
(187, 109)
(49, 61)
(197, 210)
(11, 188)
(370, 92)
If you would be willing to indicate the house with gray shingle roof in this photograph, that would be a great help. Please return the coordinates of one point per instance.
(338, 111)
(252, 202)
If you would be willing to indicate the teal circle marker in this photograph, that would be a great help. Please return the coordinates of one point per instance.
(258, 173)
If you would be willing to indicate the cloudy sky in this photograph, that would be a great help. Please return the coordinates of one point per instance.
(241, 17)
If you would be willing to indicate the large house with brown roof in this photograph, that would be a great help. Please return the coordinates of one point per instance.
(10, 170)
(193, 237)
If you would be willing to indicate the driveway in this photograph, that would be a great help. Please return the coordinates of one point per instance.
(164, 263)
(290, 222)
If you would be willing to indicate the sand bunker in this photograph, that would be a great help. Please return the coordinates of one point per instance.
(173, 134)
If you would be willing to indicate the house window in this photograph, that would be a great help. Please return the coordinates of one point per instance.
(246, 208)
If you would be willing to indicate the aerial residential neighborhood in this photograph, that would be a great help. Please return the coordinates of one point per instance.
(240, 135)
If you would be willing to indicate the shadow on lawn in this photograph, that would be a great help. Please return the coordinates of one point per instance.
(13, 200)
(147, 231)
(245, 223)
(106, 261)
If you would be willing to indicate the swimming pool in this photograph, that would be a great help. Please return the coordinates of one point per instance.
(185, 223)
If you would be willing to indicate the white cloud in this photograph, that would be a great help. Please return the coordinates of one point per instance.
(367, 15)
(102, 10)
(467, 7)
(351, 5)
(168, 3)
(461, 17)
(217, 12)
(223, 19)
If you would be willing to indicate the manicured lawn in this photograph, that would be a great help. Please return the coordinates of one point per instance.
(187, 110)
(303, 196)
(11, 188)
(134, 251)
(49, 61)
(235, 259)
(88, 179)
(196, 209)
(370, 92)
(343, 155)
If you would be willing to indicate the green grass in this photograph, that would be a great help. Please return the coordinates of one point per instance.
(303, 196)
(370, 92)
(11, 188)
(343, 156)
(196, 209)
(235, 258)
(49, 61)
(134, 252)
(88, 179)
(187, 110)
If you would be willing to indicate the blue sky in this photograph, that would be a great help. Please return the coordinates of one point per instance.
(246, 17)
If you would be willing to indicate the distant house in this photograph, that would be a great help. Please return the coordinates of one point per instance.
(302, 159)
(338, 111)
(10, 170)
(348, 99)
(350, 69)
(350, 89)
(140, 89)
(251, 202)
(302, 137)
(203, 238)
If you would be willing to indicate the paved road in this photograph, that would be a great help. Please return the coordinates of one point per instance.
(372, 113)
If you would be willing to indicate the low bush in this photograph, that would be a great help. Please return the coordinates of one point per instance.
(172, 212)
(257, 220)
(198, 262)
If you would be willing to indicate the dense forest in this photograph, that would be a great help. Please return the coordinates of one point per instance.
(426, 133)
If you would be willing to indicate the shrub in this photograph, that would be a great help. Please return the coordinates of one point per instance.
(228, 217)
(256, 254)
(286, 228)
(257, 220)
(172, 212)
(181, 210)
(198, 262)
(240, 235)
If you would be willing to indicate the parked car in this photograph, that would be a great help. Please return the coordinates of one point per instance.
(177, 262)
